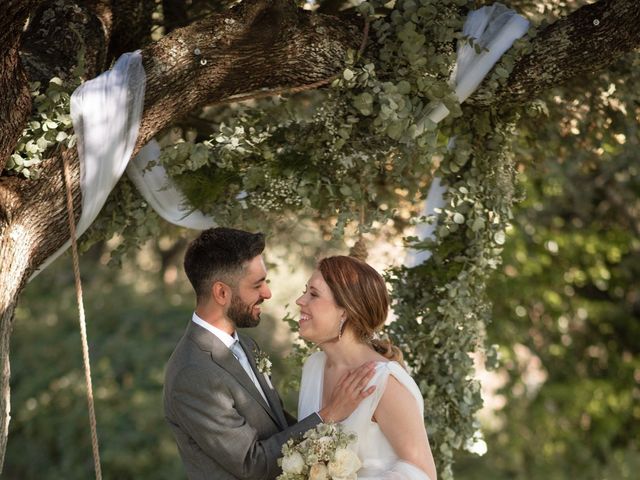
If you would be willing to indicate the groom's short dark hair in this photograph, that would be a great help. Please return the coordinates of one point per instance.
(219, 254)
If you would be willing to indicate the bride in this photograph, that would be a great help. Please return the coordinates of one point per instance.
(344, 303)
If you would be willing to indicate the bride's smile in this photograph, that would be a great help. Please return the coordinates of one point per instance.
(320, 316)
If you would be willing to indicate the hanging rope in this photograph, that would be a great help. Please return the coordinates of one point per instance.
(359, 249)
(83, 325)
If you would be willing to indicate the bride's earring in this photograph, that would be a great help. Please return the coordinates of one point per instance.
(340, 329)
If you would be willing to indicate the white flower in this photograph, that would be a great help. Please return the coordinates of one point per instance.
(293, 463)
(345, 464)
(318, 471)
(322, 454)
(263, 364)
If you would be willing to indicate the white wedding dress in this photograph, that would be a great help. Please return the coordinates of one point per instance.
(379, 460)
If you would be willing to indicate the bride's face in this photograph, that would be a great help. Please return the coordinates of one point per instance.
(320, 316)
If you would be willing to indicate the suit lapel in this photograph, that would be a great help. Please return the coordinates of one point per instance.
(221, 355)
(270, 392)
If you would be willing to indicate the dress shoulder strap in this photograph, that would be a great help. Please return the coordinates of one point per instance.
(384, 370)
(311, 385)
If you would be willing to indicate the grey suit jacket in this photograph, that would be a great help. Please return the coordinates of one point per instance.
(222, 425)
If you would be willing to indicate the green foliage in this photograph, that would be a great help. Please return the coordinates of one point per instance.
(127, 215)
(327, 153)
(441, 306)
(130, 336)
(50, 125)
(568, 296)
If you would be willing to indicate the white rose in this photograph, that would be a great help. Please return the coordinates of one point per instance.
(293, 463)
(318, 472)
(345, 464)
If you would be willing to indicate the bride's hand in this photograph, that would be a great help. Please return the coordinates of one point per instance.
(348, 393)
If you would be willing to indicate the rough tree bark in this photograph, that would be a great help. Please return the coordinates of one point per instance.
(588, 40)
(260, 44)
(15, 107)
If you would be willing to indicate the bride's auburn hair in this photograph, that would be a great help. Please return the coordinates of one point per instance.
(360, 290)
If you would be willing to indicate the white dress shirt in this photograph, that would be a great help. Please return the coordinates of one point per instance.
(239, 353)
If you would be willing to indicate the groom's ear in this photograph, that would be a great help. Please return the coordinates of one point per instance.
(221, 293)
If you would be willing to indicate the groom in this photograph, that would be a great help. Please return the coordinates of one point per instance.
(226, 417)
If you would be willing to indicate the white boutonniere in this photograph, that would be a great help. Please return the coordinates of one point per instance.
(263, 364)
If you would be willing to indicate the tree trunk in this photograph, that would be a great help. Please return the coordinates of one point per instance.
(26, 240)
(14, 256)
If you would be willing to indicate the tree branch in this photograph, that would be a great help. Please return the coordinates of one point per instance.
(15, 107)
(261, 45)
(131, 25)
(587, 40)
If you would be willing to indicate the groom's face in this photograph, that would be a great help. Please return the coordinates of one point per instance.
(249, 293)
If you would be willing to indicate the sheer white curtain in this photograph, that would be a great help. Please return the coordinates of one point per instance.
(494, 28)
(106, 114)
(160, 192)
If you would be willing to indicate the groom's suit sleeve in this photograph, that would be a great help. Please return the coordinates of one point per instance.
(204, 407)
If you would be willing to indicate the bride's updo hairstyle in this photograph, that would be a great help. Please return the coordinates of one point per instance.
(361, 291)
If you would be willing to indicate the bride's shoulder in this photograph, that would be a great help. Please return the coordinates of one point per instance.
(400, 374)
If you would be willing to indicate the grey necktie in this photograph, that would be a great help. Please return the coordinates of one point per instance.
(239, 353)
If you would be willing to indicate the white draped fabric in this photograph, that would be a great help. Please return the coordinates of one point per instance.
(160, 192)
(494, 28)
(424, 230)
(106, 114)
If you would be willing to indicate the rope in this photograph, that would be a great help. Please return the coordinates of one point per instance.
(83, 325)
(359, 249)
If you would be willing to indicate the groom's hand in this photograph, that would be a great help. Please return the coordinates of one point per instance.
(348, 393)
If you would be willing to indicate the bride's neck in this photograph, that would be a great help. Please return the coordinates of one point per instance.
(347, 352)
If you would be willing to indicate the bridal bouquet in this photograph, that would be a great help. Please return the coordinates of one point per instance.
(322, 454)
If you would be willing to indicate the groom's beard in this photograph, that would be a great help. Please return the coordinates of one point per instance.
(242, 314)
